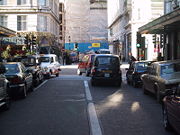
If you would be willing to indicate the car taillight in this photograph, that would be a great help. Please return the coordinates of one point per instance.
(16, 80)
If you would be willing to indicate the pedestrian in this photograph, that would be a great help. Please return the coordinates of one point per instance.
(64, 57)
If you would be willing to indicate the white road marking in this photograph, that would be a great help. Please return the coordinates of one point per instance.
(93, 119)
(40, 85)
(87, 91)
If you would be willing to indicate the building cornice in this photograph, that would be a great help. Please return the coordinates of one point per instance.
(28, 10)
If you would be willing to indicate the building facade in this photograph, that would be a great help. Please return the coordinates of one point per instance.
(124, 19)
(37, 17)
(62, 24)
(86, 21)
(167, 27)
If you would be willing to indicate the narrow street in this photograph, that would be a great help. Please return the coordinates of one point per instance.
(59, 107)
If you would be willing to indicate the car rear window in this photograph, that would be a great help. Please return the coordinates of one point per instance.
(142, 65)
(12, 68)
(107, 61)
(170, 68)
(44, 59)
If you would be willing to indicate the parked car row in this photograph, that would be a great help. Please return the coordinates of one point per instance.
(21, 76)
(161, 78)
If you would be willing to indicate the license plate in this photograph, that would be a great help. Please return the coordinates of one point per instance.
(106, 75)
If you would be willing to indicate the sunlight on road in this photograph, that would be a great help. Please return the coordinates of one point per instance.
(135, 106)
(111, 102)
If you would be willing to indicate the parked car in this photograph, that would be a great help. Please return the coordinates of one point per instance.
(135, 70)
(85, 64)
(161, 76)
(106, 69)
(50, 65)
(4, 87)
(171, 110)
(33, 63)
(20, 78)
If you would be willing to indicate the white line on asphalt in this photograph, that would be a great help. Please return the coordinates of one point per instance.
(40, 85)
(93, 119)
(87, 91)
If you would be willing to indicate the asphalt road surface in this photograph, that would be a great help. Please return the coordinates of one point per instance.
(63, 106)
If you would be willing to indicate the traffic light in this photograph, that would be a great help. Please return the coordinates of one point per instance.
(26, 40)
(138, 45)
(154, 38)
(161, 40)
(33, 40)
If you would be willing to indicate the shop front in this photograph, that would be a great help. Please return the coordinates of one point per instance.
(166, 32)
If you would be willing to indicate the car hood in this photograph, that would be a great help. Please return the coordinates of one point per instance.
(10, 75)
(172, 78)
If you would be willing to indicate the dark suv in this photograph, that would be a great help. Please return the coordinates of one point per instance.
(106, 69)
(4, 94)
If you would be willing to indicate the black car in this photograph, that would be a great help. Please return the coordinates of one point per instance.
(4, 87)
(19, 77)
(106, 69)
(33, 63)
(135, 70)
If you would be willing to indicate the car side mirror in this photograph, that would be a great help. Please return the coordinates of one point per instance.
(2, 69)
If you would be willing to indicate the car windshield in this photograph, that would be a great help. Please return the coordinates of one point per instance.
(12, 68)
(28, 61)
(107, 61)
(45, 59)
(142, 65)
(170, 68)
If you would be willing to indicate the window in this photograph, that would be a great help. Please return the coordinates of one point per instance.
(3, 21)
(21, 2)
(42, 2)
(3, 2)
(42, 23)
(21, 23)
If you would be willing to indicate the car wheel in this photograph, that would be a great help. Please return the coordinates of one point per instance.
(24, 92)
(32, 87)
(145, 90)
(166, 123)
(134, 84)
(118, 83)
(158, 96)
(93, 82)
(57, 74)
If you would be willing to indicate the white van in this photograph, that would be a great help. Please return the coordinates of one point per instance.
(50, 65)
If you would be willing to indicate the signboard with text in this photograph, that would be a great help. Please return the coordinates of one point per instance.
(96, 45)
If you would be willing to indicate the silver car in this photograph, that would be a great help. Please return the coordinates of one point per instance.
(161, 77)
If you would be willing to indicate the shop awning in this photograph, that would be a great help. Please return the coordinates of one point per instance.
(5, 32)
(162, 24)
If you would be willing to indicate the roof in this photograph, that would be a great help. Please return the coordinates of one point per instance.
(164, 23)
(112, 55)
(167, 62)
(5, 32)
